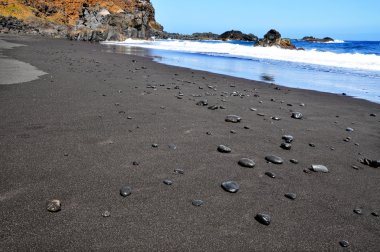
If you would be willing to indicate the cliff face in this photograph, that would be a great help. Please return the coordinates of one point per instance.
(87, 19)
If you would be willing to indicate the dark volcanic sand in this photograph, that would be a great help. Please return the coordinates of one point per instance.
(67, 136)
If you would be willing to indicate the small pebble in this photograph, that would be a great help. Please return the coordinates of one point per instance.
(179, 171)
(373, 115)
(375, 214)
(344, 243)
(287, 138)
(276, 118)
(172, 146)
(106, 214)
(202, 103)
(208, 133)
(233, 131)
(155, 145)
(167, 182)
(349, 129)
(246, 127)
(291, 196)
(263, 218)
(270, 174)
(54, 206)
(274, 159)
(224, 149)
(358, 211)
(312, 145)
(294, 161)
(233, 118)
(297, 115)
(286, 146)
(246, 162)
(125, 191)
(319, 168)
(230, 186)
(197, 203)
(135, 163)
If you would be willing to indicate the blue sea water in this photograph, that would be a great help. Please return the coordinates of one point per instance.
(350, 67)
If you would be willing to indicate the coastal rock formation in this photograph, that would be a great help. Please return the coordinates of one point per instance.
(273, 38)
(237, 35)
(312, 39)
(92, 20)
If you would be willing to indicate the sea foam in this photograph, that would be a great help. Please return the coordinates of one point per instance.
(223, 49)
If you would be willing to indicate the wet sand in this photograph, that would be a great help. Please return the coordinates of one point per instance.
(75, 133)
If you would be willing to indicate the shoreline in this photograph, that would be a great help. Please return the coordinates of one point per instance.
(84, 130)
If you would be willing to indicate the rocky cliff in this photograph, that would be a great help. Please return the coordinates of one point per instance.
(93, 20)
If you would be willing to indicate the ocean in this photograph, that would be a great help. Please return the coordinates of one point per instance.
(351, 68)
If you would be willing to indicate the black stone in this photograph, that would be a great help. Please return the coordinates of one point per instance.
(270, 174)
(246, 162)
(312, 145)
(373, 115)
(375, 214)
(224, 149)
(135, 163)
(274, 159)
(287, 138)
(233, 131)
(291, 196)
(349, 129)
(167, 182)
(297, 115)
(230, 186)
(125, 191)
(344, 243)
(263, 218)
(155, 145)
(214, 107)
(197, 202)
(54, 206)
(286, 146)
(276, 118)
(233, 118)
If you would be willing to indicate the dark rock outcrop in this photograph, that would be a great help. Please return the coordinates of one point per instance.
(312, 39)
(273, 38)
(237, 35)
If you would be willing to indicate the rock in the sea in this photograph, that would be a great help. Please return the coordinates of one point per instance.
(246, 162)
(125, 191)
(230, 186)
(297, 115)
(291, 196)
(270, 174)
(274, 159)
(286, 146)
(224, 149)
(197, 202)
(287, 138)
(233, 118)
(344, 243)
(273, 38)
(263, 218)
(54, 206)
(319, 168)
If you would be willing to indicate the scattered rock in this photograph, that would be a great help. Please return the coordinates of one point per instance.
(230, 186)
(297, 115)
(294, 161)
(54, 206)
(106, 214)
(179, 171)
(213, 107)
(125, 191)
(274, 159)
(287, 138)
(291, 196)
(371, 163)
(270, 174)
(167, 182)
(375, 214)
(319, 168)
(349, 129)
(312, 145)
(197, 202)
(224, 149)
(155, 145)
(263, 218)
(233, 118)
(172, 146)
(286, 146)
(135, 163)
(276, 118)
(202, 103)
(358, 211)
(344, 243)
(246, 162)
(373, 115)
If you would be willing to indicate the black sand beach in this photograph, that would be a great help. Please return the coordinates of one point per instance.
(86, 128)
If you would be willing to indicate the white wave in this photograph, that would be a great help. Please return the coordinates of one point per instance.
(343, 60)
(336, 41)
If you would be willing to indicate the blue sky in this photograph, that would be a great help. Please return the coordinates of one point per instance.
(340, 19)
